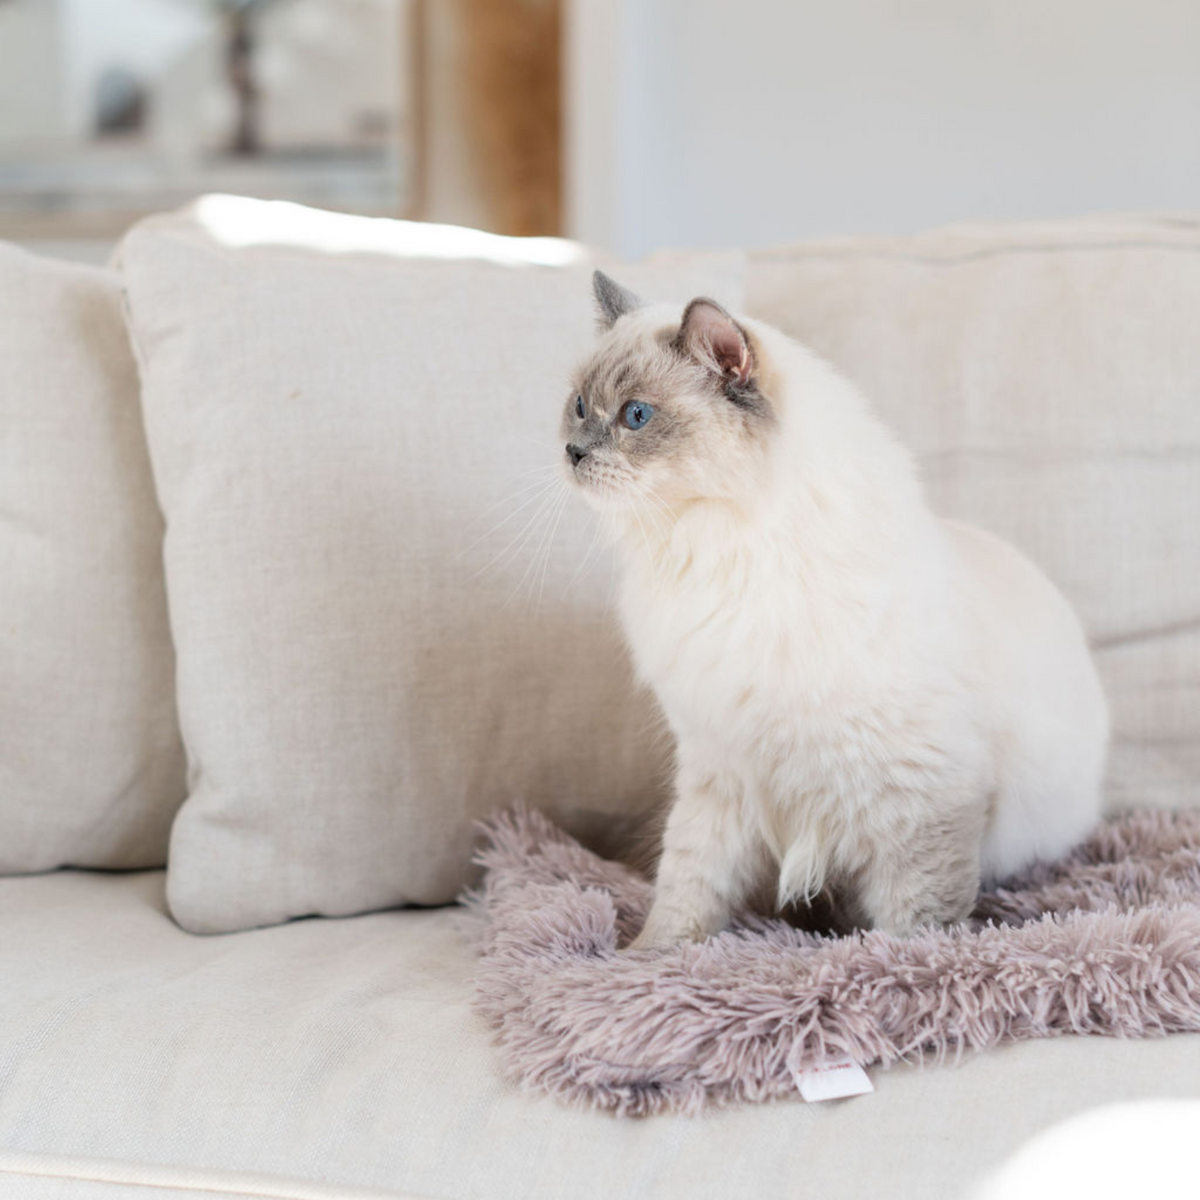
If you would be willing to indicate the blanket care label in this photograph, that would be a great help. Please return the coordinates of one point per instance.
(837, 1078)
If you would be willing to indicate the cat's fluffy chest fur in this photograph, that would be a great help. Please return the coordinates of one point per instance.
(862, 695)
(811, 687)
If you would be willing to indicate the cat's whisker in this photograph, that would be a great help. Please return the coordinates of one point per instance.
(525, 480)
(613, 533)
(653, 496)
(562, 504)
(661, 504)
(543, 489)
(517, 543)
(543, 469)
(540, 442)
(657, 511)
(554, 507)
(637, 516)
(545, 475)
(583, 562)
(658, 524)
(529, 573)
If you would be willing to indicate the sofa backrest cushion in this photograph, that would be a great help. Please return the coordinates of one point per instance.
(91, 763)
(1048, 377)
(385, 627)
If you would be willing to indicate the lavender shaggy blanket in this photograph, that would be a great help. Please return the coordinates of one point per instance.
(1106, 941)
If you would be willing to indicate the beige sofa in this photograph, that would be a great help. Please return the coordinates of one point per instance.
(1048, 377)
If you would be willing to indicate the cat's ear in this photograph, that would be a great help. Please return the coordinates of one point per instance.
(612, 300)
(715, 340)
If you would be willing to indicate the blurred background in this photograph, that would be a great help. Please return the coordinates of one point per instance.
(630, 124)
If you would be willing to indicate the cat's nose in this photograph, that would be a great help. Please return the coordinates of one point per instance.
(575, 453)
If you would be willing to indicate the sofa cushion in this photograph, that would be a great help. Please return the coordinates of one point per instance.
(91, 765)
(385, 627)
(347, 1053)
(1048, 376)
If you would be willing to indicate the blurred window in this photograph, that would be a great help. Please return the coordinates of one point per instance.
(112, 109)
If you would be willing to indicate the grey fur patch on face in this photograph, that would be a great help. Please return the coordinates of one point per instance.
(707, 427)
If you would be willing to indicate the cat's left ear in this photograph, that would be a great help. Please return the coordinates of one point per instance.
(715, 340)
(612, 300)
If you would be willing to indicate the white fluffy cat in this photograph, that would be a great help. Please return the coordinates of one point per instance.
(865, 698)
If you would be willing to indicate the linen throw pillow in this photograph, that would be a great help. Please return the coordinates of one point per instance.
(1048, 376)
(384, 627)
(91, 765)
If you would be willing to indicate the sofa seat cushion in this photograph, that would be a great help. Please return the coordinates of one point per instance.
(346, 1053)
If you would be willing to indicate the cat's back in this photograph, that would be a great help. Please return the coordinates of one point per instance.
(1021, 619)
(1040, 694)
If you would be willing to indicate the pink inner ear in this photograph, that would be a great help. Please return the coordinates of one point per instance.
(709, 329)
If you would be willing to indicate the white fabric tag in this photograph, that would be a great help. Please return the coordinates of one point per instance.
(838, 1077)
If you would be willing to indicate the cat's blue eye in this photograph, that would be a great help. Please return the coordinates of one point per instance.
(636, 413)
(579, 407)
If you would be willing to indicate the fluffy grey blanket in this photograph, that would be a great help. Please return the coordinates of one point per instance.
(1106, 941)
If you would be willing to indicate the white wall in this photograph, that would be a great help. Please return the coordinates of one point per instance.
(53, 54)
(30, 74)
(713, 122)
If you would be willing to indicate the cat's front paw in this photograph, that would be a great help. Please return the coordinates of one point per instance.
(663, 935)
(649, 939)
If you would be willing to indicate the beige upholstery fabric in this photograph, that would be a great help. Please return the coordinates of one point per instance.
(91, 766)
(1143, 1148)
(1049, 377)
(379, 634)
(345, 1052)
(55, 1177)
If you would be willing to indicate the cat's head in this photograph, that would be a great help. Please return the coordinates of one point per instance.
(670, 406)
